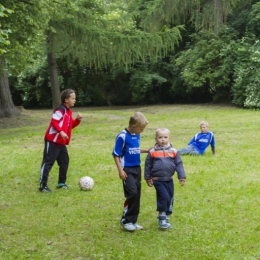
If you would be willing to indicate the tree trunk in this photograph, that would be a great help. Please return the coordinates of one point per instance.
(7, 107)
(54, 79)
(105, 95)
(219, 15)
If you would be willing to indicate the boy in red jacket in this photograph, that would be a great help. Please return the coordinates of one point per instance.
(56, 138)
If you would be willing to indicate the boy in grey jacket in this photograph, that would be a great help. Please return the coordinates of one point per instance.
(160, 164)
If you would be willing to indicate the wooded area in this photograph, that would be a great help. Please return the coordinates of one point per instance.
(128, 52)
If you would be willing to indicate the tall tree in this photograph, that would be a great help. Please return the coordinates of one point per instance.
(204, 14)
(82, 30)
(25, 24)
(89, 35)
(7, 107)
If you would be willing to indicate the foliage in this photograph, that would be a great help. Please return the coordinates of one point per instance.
(204, 63)
(27, 23)
(145, 86)
(204, 15)
(246, 79)
(215, 215)
(246, 69)
(88, 34)
(33, 84)
(101, 48)
(4, 33)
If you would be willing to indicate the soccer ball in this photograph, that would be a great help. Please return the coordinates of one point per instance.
(86, 183)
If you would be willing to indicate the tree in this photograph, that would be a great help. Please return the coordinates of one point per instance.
(7, 107)
(82, 31)
(4, 33)
(87, 34)
(19, 51)
(204, 14)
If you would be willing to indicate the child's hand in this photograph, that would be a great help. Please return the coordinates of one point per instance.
(63, 135)
(145, 151)
(182, 182)
(122, 175)
(79, 117)
(149, 183)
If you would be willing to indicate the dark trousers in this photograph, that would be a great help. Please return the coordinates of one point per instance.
(54, 152)
(164, 196)
(132, 192)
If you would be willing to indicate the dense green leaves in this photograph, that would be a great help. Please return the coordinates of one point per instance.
(145, 86)
(204, 62)
(4, 12)
(131, 52)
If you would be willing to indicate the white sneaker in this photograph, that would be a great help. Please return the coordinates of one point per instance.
(138, 227)
(129, 226)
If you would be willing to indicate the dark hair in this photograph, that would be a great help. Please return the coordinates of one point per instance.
(66, 94)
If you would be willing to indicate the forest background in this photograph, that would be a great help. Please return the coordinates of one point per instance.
(129, 52)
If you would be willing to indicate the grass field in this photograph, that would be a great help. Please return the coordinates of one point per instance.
(216, 214)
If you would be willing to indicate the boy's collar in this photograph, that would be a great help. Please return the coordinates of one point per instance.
(129, 131)
(158, 147)
(64, 104)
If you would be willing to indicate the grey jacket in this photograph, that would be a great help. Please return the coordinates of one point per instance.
(162, 162)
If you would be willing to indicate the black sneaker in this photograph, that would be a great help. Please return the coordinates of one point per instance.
(45, 189)
(63, 186)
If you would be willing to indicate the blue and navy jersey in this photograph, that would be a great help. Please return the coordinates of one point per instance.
(202, 140)
(127, 147)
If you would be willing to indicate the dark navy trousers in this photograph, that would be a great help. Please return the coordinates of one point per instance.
(164, 195)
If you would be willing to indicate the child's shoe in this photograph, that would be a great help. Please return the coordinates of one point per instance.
(62, 186)
(162, 222)
(168, 223)
(138, 227)
(44, 189)
(129, 226)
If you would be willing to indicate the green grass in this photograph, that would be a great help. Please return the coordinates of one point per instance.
(216, 213)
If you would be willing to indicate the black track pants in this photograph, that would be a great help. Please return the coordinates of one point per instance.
(54, 152)
(132, 192)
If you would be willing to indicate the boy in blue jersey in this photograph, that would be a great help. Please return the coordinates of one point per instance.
(127, 159)
(199, 143)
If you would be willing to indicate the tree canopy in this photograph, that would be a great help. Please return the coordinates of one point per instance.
(159, 51)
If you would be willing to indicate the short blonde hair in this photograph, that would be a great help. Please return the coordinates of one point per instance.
(204, 123)
(162, 130)
(138, 119)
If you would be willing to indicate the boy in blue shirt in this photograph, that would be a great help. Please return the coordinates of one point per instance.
(127, 159)
(199, 143)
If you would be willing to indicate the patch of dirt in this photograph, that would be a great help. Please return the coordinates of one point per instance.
(27, 118)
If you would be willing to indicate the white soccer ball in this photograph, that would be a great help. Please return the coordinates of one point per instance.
(86, 183)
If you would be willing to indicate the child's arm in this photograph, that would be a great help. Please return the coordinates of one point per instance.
(147, 170)
(180, 169)
(57, 117)
(122, 174)
(79, 117)
(145, 151)
(212, 143)
(76, 121)
(182, 182)
(193, 140)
